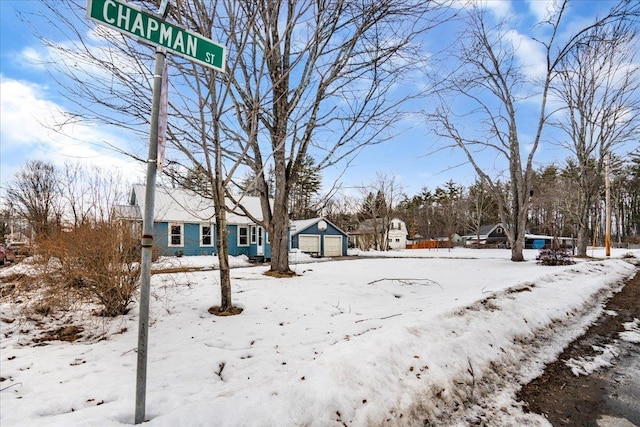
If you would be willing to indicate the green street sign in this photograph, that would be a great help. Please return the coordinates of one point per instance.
(149, 28)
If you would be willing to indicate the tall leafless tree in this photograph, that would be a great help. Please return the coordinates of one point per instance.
(34, 193)
(379, 201)
(88, 194)
(478, 205)
(487, 87)
(598, 84)
(319, 79)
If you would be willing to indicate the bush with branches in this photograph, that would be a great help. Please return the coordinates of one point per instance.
(94, 263)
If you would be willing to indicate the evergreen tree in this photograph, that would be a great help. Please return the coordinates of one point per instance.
(306, 186)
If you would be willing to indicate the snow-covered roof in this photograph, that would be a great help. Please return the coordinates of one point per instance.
(483, 232)
(179, 205)
(373, 225)
(128, 212)
(299, 225)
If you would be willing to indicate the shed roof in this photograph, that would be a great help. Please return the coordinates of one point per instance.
(300, 225)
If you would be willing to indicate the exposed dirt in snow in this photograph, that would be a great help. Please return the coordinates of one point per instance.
(608, 393)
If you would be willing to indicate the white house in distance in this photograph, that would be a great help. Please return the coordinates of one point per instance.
(397, 235)
(371, 234)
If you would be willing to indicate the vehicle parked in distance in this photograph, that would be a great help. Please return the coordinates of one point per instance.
(6, 255)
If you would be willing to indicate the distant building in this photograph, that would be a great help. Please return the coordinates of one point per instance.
(487, 235)
(375, 234)
(319, 237)
(494, 235)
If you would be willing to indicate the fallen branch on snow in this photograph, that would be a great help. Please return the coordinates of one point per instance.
(422, 282)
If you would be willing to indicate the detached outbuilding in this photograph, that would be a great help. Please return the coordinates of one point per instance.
(318, 237)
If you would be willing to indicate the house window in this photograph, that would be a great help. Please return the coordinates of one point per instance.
(176, 234)
(499, 230)
(206, 235)
(397, 240)
(243, 236)
(254, 233)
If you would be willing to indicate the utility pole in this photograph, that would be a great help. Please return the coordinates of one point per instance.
(607, 184)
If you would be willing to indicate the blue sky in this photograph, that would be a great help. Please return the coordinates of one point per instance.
(30, 101)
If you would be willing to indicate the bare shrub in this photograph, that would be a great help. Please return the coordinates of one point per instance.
(92, 263)
(555, 256)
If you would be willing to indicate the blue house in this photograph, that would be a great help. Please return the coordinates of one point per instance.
(184, 223)
(319, 237)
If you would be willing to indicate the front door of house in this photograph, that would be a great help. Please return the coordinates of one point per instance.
(260, 242)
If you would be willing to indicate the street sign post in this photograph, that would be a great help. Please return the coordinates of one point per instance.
(152, 29)
(167, 37)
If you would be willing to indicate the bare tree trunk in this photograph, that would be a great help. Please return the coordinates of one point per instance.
(583, 232)
(280, 225)
(222, 241)
(222, 246)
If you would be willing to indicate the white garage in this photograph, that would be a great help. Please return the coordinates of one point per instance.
(332, 245)
(309, 243)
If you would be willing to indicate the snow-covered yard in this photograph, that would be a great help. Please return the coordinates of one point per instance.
(382, 339)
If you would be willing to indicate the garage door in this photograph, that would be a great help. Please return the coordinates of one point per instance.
(309, 243)
(332, 245)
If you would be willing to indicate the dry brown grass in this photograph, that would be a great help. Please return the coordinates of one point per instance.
(280, 274)
(217, 311)
(93, 263)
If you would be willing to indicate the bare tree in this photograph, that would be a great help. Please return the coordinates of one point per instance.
(89, 194)
(478, 206)
(341, 209)
(449, 207)
(109, 82)
(490, 80)
(317, 79)
(35, 195)
(597, 82)
(379, 200)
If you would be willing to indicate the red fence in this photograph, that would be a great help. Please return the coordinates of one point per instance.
(429, 244)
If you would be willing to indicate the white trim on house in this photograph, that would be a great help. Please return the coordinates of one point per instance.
(299, 225)
(171, 235)
(254, 234)
(209, 235)
(246, 235)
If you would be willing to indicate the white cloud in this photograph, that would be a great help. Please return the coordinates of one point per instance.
(529, 53)
(27, 132)
(543, 9)
(499, 8)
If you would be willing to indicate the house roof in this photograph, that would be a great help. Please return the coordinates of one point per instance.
(483, 231)
(179, 205)
(299, 225)
(129, 212)
(372, 225)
